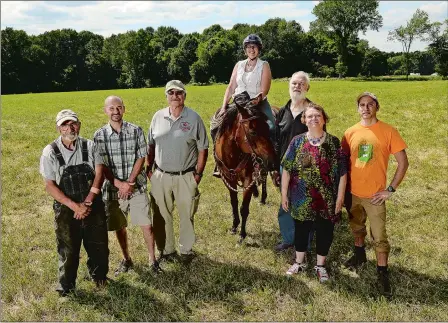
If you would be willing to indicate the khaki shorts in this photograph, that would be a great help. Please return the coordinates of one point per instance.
(138, 207)
(360, 210)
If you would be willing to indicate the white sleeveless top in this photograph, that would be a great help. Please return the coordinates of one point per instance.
(249, 81)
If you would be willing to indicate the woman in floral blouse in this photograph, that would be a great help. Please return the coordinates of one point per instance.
(313, 187)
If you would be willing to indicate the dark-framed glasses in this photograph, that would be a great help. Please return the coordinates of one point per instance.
(172, 92)
(66, 126)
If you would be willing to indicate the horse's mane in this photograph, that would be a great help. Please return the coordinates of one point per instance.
(232, 112)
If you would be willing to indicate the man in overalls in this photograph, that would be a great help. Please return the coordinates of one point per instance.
(72, 169)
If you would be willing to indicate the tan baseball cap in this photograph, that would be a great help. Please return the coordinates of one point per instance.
(175, 85)
(65, 115)
(369, 94)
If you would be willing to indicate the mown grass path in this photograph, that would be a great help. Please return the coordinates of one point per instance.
(227, 282)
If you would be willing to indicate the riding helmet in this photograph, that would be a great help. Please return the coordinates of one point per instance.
(253, 39)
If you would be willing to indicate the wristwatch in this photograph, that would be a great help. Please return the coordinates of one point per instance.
(390, 189)
(198, 174)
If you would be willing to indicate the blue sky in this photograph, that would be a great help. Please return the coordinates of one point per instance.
(112, 17)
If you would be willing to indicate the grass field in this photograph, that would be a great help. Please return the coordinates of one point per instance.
(228, 282)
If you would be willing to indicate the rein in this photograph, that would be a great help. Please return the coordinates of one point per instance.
(232, 174)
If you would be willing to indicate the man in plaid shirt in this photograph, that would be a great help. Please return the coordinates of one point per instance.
(122, 145)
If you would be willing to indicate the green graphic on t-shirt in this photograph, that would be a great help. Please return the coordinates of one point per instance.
(365, 152)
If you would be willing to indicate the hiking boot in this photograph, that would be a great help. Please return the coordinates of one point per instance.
(65, 293)
(358, 258)
(124, 266)
(155, 268)
(282, 247)
(384, 284)
(100, 283)
(321, 273)
(296, 268)
(170, 257)
(187, 258)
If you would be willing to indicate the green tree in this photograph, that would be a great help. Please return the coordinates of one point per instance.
(439, 46)
(183, 56)
(374, 63)
(343, 20)
(416, 28)
(15, 60)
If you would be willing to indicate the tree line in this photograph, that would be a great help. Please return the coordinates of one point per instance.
(67, 60)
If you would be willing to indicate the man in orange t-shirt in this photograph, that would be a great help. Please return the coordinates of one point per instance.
(369, 144)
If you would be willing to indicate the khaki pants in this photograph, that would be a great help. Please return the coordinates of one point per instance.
(360, 210)
(165, 189)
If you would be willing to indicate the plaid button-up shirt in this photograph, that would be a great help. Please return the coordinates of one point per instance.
(120, 151)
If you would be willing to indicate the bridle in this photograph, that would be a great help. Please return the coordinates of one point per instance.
(228, 174)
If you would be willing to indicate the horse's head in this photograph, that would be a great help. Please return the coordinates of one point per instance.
(252, 133)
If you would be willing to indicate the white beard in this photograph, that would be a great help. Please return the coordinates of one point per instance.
(70, 137)
(297, 96)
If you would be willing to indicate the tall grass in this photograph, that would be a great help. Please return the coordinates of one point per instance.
(229, 282)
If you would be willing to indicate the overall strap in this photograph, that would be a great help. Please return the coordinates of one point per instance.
(85, 153)
(58, 154)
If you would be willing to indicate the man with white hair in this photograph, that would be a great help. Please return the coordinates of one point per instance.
(289, 125)
(72, 169)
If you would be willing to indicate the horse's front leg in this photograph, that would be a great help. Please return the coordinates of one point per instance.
(236, 216)
(264, 192)
(247, 196)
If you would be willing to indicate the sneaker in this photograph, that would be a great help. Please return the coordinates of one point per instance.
(322, 273)
(296, 268)
(170, 257)
(124, 266)
(356, 260)
(384, 284)
(155, 268)
(282, 247)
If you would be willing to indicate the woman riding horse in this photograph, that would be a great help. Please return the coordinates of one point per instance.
(252, 75)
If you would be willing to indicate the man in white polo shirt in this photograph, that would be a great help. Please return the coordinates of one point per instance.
(177, 154)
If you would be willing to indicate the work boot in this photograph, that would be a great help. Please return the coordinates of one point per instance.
(358, 258)
(384, 284)
(170, 257)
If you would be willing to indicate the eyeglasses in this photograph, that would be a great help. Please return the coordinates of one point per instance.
(251, 46)
(171, 92)
(66, 126)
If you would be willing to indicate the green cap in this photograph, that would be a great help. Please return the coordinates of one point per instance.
(175, 85)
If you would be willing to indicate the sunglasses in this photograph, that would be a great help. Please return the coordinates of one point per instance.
(66, 126)
(172, 92)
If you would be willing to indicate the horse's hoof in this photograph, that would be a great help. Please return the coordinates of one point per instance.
(233, 231)
(263, 202)
(240, 240)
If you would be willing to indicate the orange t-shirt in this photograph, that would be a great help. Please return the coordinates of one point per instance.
(369, 148)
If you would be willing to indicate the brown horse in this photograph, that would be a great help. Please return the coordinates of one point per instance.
(243, 152)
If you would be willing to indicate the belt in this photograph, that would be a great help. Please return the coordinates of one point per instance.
(191, 169)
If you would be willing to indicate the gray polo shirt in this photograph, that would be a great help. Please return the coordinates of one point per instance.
(177, 142)
(49, 165)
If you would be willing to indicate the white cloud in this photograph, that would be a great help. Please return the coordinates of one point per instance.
(107, 17)
(283, 10)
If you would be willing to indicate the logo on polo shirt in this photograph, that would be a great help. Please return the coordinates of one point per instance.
(185, 126)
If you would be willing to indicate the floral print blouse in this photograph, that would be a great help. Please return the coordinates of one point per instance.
(315, 172)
